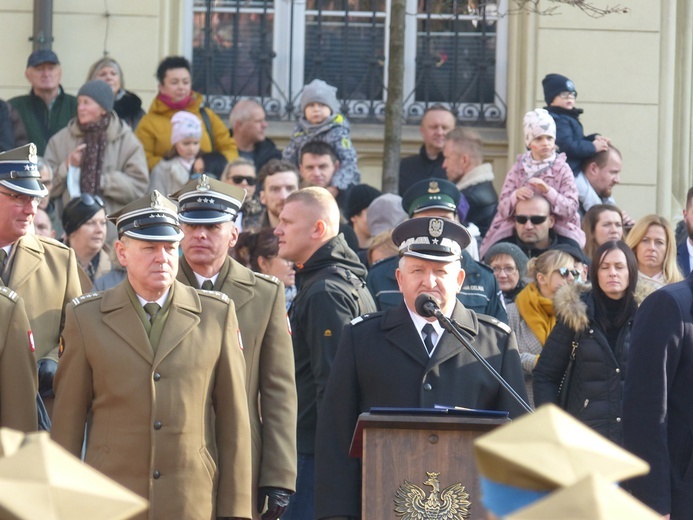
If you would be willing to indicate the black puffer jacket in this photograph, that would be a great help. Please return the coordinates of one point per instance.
(596, 389)
(331, 292)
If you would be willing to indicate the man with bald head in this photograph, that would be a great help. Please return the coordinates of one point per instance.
(331, 292)
(248, 124)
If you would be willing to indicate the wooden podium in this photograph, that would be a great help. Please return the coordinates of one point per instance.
(431, 453)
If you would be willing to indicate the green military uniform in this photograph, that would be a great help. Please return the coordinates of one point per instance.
(166, 403)
(267, 348)
(18, 384)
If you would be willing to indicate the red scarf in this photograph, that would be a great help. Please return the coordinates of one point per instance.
(175, 105)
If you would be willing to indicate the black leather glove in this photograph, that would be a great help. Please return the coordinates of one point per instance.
(277, 501)
(46, 373)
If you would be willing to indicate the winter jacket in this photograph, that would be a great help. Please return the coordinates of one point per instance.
(168, 176)
(595, 392)
(6, 129)
(562, 195)
(124, 177)
(154, 131)
(331, 292)
(128, 106)
(570, 137)
(418, 167)
(477, 188)
(41, 122)
(335, 131)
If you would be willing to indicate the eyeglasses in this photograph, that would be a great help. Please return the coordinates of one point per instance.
(89, 200)
(567, 94)
(238, 179)
(21, 200)
(507, 270)
(564, 272)
(534, 219)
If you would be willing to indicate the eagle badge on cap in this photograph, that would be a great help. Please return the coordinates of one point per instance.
(33, 155)
(433, 187)
(157, 200)
(203, 184)
(435, 227)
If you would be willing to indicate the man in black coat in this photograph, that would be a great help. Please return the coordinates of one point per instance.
(658, 402)
(400, 359)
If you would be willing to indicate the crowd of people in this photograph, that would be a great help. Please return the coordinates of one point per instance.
(159, 316)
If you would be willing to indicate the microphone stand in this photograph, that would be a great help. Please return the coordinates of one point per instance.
(452, 327)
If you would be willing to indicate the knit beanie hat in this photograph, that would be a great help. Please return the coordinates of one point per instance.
(185, 125)
(536, 123)
(317, 91)
(360, 197)
(99, 91)
(554, 84)
(385, 212)
(506, 248)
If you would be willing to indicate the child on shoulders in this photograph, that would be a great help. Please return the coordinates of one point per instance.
(560, 96)
(322, 121)
(539, 170)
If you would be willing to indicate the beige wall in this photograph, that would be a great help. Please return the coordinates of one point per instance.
(632, 72)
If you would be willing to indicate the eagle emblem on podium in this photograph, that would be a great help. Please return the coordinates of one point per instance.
(411, 502)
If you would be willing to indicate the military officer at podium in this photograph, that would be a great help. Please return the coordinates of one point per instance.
(156, 368)
(400, 359)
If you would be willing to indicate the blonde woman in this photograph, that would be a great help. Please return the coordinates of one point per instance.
(652, 240)
(532, 315)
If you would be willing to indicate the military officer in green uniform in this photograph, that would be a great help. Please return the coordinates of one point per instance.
(207, 210)
(156, 368)
(41, 270)
(18, 382)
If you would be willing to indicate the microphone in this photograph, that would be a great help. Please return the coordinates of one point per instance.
(426, 305)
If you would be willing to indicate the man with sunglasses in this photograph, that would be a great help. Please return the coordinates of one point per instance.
(241, 173)
(534, 232)
(41, 270)
(207, 209)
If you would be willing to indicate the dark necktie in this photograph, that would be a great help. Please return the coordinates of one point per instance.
(152, 308)
(3, 259)
(428, 337)
(208, 285)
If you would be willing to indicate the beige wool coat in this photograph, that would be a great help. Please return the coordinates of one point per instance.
(172, 426)
(270, 379)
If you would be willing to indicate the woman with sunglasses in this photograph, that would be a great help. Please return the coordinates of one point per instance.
(532, 315)
(84, 222)
(98, 154)
(593, 326)
(241, 173)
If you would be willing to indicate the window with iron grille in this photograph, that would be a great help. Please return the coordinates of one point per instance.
(455, 54)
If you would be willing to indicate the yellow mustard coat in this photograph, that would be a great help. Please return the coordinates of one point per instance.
(172, 426)
(18, 383)
(45, 274)
(270, 380)
(154, 131)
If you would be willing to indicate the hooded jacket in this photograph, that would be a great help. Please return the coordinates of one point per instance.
(331, 292)
(570, 137)
(595, 392)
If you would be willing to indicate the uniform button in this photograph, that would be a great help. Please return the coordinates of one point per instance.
(618, 370)
(156, 474)
(618, 419)
(157, 425)
(157, 376)
(427, 386)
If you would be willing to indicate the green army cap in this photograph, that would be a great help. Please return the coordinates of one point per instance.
(153, 218)
(42, 480)
(431, 194)
(551, 449)
(592, 498)
(208, 201)
(19, 173)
